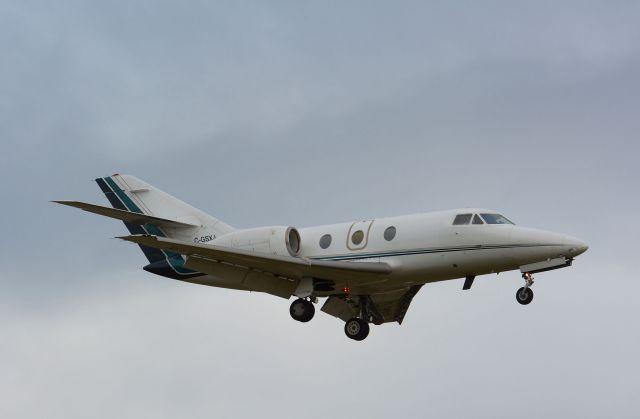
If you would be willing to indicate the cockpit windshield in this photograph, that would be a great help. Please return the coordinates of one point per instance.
(462, 219)
(495, 219)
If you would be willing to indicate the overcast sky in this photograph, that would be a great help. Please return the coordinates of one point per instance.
(284, 113)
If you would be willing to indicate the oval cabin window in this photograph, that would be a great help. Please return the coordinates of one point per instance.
(325, 241)
(389, 233)
(357, 237)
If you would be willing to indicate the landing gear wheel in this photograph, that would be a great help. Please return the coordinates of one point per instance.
(302, 310)
(524, 295)
(356, 329)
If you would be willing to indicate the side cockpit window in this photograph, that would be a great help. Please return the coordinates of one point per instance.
(495, 219)
(480, 219)
(462, 219)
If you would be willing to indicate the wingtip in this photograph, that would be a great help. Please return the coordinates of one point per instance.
(62, 202)
(67, 203)
(134, 237)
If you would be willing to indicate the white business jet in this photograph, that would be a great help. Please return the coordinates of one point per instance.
(369, 270)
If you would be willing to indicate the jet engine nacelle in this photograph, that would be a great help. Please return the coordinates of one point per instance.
(282, 241)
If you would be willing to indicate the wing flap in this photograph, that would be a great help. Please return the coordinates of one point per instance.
(131, 217)
(249, 279)
(388, 306)
(339, 307)
(393, 306)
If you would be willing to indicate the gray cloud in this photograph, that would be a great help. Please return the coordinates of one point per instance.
(305, 114)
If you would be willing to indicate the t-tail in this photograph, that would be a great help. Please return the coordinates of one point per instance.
(145, 209)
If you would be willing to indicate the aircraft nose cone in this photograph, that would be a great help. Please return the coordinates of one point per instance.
(583, 247)
(576, 247)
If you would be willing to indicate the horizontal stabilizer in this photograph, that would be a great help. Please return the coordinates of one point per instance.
(131, 217)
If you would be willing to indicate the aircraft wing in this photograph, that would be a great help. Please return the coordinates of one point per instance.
(131, 217)
(213, 260)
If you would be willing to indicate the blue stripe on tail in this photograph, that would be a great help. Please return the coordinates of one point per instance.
(161, 262)
(152, 255)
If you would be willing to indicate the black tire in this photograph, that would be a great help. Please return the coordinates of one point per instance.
(302, 310)
(356, 329)
(524, 296)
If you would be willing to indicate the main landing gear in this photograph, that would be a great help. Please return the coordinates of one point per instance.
(356, 329)
(302, 310)
(525, 294)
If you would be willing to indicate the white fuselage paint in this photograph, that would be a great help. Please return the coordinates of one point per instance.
(429, 248)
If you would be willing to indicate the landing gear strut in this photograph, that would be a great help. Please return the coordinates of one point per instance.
(525, 294)
(302, 310)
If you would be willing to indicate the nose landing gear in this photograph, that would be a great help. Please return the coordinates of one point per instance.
(525, 294)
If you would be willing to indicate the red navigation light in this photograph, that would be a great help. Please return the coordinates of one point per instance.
(346, 290)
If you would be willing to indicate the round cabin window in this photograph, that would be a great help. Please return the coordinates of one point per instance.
(325, 241)
(389, 233)
(357, 237)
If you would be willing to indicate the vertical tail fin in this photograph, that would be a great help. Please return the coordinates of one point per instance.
(129, 193)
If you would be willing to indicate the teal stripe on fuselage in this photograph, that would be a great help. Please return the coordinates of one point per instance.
(409, 252)
(174, 259)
